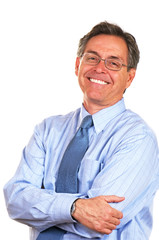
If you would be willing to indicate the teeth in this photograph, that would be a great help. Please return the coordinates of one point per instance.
(98, 81)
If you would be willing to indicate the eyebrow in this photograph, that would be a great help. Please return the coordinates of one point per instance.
(94, 52)
(112, 57)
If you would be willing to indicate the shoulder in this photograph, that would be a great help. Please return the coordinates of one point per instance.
(57, 122)
(132, 135)
(132, 125)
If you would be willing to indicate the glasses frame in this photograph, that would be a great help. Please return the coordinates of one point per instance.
(105, 62)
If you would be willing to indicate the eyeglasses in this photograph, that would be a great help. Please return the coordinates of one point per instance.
(110, 63)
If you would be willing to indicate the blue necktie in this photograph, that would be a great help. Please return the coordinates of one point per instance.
(68, 170)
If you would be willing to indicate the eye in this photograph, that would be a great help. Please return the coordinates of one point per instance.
(91, 58)
(114, 64)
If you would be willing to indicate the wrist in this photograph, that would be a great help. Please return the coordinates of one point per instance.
(73, 208)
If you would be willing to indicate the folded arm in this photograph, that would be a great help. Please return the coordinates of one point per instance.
(129, 172)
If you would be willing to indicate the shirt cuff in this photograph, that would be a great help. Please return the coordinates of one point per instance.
(62, 213)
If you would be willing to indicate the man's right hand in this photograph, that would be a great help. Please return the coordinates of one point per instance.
(96, 214)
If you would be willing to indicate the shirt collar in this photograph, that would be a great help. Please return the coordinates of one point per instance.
(101, 118)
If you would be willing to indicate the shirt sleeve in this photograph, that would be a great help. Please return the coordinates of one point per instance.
(26, 200)
(131, 169)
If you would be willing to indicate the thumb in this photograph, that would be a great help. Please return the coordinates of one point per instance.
(114, 198)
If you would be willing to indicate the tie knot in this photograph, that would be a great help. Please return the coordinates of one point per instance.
(87, 122)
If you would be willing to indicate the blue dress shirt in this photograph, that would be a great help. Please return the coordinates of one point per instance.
(122, 160)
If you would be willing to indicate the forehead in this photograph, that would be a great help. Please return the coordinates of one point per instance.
(108, 45)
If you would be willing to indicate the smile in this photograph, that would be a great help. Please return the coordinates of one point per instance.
(98, 81)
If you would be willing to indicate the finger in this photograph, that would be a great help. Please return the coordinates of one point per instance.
(115, 221)
(110, 226)
(105, 228)
(113, 213)
(107, 231)
(117, 214)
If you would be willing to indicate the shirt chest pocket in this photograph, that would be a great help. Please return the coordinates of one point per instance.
(89, 169)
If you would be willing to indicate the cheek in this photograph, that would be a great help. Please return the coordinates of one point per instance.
(82, 71)
(120, 79)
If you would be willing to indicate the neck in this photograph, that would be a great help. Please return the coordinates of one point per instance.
(92, 108)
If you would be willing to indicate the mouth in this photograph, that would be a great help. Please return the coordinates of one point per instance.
(101, 82)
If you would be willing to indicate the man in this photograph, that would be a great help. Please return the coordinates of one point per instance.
(118, 174)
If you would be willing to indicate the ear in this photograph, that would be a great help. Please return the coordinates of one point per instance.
(131, 75)
(77, 65)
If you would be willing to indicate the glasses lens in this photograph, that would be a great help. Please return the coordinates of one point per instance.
(113, 64)
(110, 63)
(91, 59)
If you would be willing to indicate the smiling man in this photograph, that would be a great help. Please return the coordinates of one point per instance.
(108, 194)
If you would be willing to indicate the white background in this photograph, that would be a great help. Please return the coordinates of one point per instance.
(38, 43)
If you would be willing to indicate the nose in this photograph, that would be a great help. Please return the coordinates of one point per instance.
(100, 67)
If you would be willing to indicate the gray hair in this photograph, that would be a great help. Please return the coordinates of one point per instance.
(113, 29)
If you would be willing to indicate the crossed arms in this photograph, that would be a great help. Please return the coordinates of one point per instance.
(129, 172)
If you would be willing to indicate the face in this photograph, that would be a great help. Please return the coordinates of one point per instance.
(102, 87)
